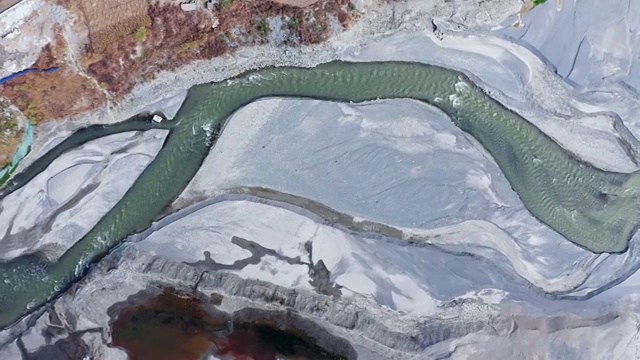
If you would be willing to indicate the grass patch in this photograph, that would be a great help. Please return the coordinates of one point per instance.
(8, 125)
(225, 3)
(189, 45)
(141, 33)
(32, 113)
(21, 87)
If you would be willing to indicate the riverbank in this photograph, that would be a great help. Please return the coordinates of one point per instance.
(376, 19)
(12, 134)
(363, 315)
(497, 78)
(21, 151)
(508, 70)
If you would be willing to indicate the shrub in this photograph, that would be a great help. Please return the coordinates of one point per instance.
(263, 27)
(141, 33)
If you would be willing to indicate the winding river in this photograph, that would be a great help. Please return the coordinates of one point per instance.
(592, 208)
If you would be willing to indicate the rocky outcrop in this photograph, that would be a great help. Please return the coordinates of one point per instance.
(358, 315)
(410, 335)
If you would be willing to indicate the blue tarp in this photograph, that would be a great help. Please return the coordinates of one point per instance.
(22, 72)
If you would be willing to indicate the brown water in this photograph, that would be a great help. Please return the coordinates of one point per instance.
(166, 327)
(177, 327)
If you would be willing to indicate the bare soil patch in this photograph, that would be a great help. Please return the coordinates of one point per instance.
(54, 95)
(111, 19)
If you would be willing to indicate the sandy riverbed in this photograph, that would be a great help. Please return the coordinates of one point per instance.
(411, 155)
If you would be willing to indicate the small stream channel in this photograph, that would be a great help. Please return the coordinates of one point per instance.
(21, 152)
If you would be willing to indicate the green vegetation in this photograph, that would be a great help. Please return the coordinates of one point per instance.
(141, 33)
(225, 3)
(527, 6)
(189, 45)
(7, 175)
(148, 76)
(21, 102)
(7, 125)
(32, 113)
(263, 27)
(8, 130)
(9, 167)
(21, 87)
(224, 36)
(293, 23)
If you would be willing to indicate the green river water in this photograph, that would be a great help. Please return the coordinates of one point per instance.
(594, 209)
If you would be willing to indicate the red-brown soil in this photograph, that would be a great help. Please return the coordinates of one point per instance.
(175, 37)
(54, 95)
(10, 135)
(299, 3)
(172, 39)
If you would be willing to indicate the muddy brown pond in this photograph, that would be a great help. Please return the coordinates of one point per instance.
(176, 326)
